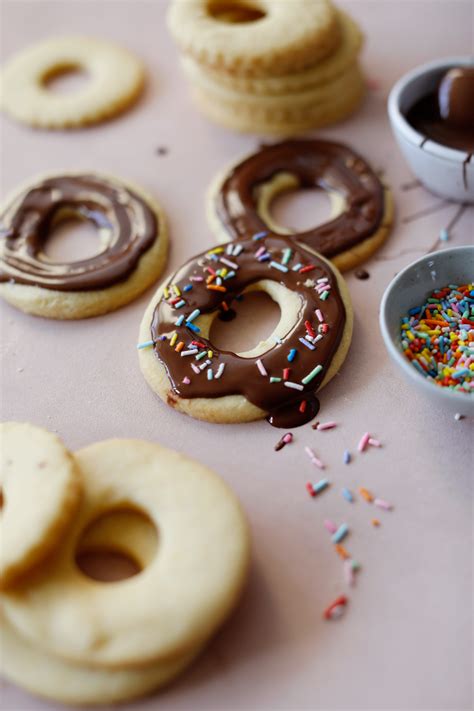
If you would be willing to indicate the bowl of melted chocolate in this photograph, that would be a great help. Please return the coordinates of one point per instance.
(431, 110)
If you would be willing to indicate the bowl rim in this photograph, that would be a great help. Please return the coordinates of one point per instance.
(397, 118)
(394, 350)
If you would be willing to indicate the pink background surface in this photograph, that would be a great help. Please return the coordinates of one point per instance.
(406, 641)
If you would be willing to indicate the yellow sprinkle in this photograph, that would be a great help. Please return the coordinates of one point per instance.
(176, 290)
(166, 292)
(216, 250)
(223, 272)
(410, 336)
(174, 338)
(210, 354)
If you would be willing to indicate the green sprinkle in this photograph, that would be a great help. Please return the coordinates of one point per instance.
(275, 380)
(308, 378)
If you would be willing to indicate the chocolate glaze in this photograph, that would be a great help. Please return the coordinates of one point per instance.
(129, 225)
(322, 164)
(241, 375)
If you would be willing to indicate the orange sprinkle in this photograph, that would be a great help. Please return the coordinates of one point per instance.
(365, 493)
(375, 522)
(341, 551)
(179, 347)
(210, 278)
(214, 287)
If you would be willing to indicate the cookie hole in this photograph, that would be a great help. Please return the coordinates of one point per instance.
(255, 318)
(301, 209)
(71, 239)
(65, 79)
(233, 11)
(116, 546)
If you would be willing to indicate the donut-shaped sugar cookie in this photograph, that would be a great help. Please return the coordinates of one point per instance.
(176, 603)
(321, 73)
(115, 79)
(266, 38)
(40, 490)
(131, 228)
(52, 677)
(276, 379)
(240, 199)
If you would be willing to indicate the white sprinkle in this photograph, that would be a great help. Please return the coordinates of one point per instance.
(261, 367)
(237, 250)
(195, 368)
(210, 374)
(220, 370)
(294, 386)
(192, 351)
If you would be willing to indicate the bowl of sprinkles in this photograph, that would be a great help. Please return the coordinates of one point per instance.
(427, 323)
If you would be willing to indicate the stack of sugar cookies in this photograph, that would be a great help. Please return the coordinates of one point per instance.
(276, 67)
(71, 636)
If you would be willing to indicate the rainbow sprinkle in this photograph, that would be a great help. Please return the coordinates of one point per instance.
(438, 337)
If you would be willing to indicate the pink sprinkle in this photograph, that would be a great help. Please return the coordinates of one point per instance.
(383, 504)
(260, 251)
(349, 572)
(196, 278)
(287, 438)
(195, 368)
(261, 367)
(330, 526)
(319, 315)
(186, 380)
(362, 446)
(374, 442)
(326, 426)
(317, 462)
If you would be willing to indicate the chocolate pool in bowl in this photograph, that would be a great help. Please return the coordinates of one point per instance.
(409, 289)
(431, 113)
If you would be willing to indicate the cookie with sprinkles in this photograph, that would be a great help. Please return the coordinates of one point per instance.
(278, 378)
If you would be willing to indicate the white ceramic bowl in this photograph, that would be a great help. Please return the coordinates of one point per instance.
(442, 170)
(409, 289)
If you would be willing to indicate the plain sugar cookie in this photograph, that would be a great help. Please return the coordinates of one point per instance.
(270, 38)
(54, 678)
(278, 378)
(40, 491)
(133, 237)
(115, 79)
(178, 601)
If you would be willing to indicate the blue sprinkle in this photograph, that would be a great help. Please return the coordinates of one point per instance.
(180, 304)
(188, 287)
(347, 494)
(279, 266)
(180, 320)
(347, 457)
(341, 533)
(192, 327)
(146, 344)
(291, 355)
(259, 235)
(444, 235)
(320, 486)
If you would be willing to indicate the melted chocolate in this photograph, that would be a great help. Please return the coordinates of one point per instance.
(425, 118)
(128, 224)
(242, 375)
(315, 164)
(456, 98)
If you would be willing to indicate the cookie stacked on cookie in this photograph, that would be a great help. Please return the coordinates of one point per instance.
(269, 66)
(80, 640)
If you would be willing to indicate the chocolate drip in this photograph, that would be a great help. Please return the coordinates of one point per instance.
(315, 164)
(128, 225)
(242, 375)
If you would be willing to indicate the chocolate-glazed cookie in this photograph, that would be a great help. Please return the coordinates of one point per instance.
(240, 199)
(279, 378)
(133, 245)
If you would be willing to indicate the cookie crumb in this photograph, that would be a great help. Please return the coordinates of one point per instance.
(162, 151)
(362, 274)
